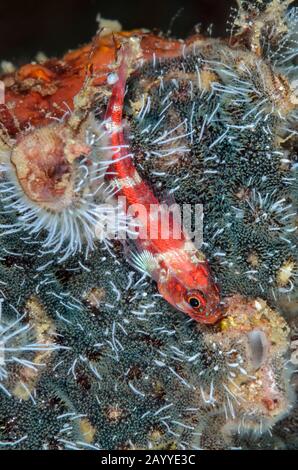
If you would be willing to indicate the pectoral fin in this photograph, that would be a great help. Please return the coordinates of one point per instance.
(144, 261)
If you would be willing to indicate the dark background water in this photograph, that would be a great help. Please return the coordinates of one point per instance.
(54, 26)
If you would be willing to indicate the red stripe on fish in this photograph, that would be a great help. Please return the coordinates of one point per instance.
(180, 270)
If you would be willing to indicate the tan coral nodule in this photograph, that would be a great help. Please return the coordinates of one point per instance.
(252, 344)
(42, 160)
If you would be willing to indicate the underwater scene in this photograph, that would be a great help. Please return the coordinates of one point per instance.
(148, 239)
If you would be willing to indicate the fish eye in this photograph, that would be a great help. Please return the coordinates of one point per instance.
(196, 300)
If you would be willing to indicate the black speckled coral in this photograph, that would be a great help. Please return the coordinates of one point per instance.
(91, 356)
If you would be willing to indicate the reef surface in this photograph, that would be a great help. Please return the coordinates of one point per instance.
(91, 356)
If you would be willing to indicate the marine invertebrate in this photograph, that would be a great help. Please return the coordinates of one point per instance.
(26, 344)
(212, 121)
(137, 375)
(54, 184)
(234, 130)
(266, 342)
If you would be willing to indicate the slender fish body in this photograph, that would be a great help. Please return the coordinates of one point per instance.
(180, 270)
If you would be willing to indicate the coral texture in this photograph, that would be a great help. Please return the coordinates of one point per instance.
(91, 357)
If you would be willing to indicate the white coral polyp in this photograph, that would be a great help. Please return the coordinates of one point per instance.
(91, 216)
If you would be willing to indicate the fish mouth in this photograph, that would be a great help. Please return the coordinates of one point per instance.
(214, 311)
(211, 319)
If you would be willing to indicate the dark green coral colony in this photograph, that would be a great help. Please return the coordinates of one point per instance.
(130, 367)
(116, 367)
(220, 148)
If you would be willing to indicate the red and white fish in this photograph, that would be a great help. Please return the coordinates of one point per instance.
(180, 270)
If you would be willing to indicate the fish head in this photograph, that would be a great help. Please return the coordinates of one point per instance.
(193, 292)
